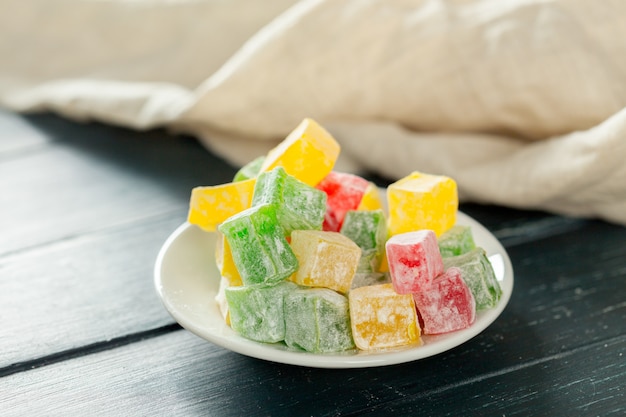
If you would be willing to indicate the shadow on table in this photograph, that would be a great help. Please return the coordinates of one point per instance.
(177, 163)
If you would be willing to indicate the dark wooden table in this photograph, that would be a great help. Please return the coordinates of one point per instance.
(84, 210)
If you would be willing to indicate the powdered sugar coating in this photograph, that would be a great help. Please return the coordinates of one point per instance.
(382, 318)
(317, 320)
(414, 260)
(345, 192)
(447, 305)
(326, 259)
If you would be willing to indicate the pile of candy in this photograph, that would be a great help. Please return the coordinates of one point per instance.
(309, 258)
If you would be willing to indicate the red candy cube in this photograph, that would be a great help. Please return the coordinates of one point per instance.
(414, 260)
(446, 306)
(345, 192)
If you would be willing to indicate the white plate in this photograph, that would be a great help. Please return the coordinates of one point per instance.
(187, 280)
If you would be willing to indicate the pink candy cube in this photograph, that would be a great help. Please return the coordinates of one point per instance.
(345, 192)
(446, 306)
(414, 260)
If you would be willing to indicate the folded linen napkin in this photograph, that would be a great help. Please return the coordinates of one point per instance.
(521, 102)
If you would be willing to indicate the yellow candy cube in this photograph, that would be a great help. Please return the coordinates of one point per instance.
(224, 261)
(422, 201)
(371, 199)
(309, 153)
(326, 259)
(381, 318)
(211, 205)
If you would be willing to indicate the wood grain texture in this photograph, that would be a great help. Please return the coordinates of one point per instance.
(82, 219)
(568, 384)
(569, 287)
(82, 181)
(535, 359)
(184, 375)
(84, 211)
(81, 290)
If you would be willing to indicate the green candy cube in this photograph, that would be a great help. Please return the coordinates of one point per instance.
(249, 170)
(369, 261)
(260, 251)
(299, 206)
(478, 274)
(257, 313)
(317, 320)
(456, 241)
(368, 229)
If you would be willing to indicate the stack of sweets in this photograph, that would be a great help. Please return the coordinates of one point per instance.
(303, 252)
(427, 204)
(291, 277)
(442, 299)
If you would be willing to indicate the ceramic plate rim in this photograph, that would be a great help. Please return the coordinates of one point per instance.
(189, 298)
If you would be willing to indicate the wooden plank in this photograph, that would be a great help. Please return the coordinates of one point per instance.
(81, 274)
(18, 135)
(584, 382)
(568, 289)
(59, 195)
(82, 290)
(85, 182)
(514, 227)
(563, 330)
(59, 290)
(179, 374)
(82, 219)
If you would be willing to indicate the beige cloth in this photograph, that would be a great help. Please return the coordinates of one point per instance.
(522, 102)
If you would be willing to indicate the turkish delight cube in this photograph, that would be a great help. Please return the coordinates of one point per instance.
(298, 205)
(422, 201)
(258, 245)
(326, 259)
(447, 305)
(414, 260)
(381, 318)
(317, 320)
(257, 313)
